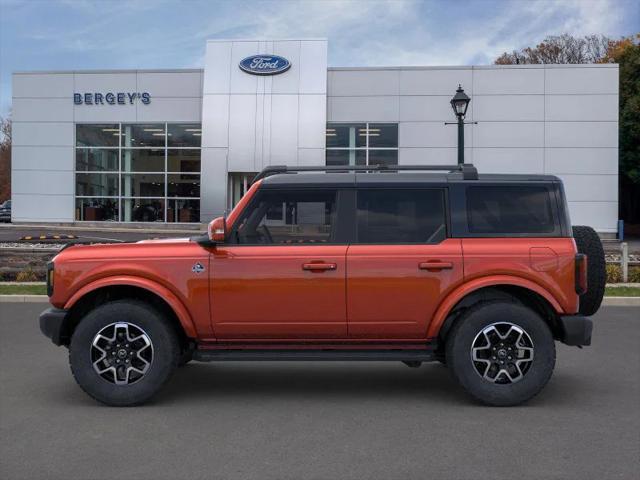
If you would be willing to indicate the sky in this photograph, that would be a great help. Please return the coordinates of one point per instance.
(108, 34)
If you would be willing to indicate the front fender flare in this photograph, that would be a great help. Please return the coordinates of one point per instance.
(167, 295)
(494, 280)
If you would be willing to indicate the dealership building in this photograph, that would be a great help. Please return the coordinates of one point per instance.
(181, 146)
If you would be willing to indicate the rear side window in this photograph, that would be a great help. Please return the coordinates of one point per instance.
(509, 210)
(401, 216)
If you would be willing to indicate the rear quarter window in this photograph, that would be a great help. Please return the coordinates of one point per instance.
(505, 210)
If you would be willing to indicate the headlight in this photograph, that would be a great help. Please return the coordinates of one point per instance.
(50, 278)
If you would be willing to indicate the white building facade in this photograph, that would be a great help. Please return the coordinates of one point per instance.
(180, 146)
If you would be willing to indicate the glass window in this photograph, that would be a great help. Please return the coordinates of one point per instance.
(133, 165)
(143, 185)
(291, 217)
(96, 159)
(180, 185)
(183, 211)
(143, 135)
(346, 135)
(362, 144)
(383, 135)
(143, 209)
(183, 161)
(509, 210)
(397, 216)
(96, 209)
(346, 157)
(106, 135)
(184, 135)
(96, 184)
(143, 160)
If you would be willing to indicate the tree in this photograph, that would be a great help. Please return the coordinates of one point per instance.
(600, 49)
(5, 159)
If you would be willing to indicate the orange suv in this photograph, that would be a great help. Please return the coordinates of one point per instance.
(480, 272)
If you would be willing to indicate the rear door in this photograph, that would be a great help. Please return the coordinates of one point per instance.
(402, 263)
(283, 275)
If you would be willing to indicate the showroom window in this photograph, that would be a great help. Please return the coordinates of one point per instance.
(362, 144)
(138, 172)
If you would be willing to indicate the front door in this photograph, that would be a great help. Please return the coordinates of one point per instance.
(402, 264)
(282, 274)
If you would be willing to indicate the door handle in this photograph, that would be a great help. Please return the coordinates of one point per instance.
(319, 267)
(435, 265)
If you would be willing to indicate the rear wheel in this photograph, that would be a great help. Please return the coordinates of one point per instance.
(123, 352)
(502, 353)
(588, 242)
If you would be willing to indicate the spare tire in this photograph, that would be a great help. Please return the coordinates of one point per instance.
(588, 242)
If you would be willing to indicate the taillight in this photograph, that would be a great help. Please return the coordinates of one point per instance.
(50, 278)
(581, 273)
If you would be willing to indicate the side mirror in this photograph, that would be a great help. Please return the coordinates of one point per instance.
(217, 230)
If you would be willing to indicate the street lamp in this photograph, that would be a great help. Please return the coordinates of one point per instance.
(460, 103)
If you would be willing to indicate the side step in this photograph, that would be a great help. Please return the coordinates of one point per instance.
(214, 355)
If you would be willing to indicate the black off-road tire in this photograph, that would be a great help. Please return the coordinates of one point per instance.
(588, 242)
(165, 353)
(470, 325)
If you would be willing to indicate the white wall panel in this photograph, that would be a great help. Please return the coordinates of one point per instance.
(284, 130)
(218, 76)
(48, 182)
(362, 109)
(311, 156)
(312, 121)
(170, 84)
(105, 113)
(42, 158)
(215, 121)
(105, 82)
(42, 208)
(431, 134)
(512, 160)
(428, 108)
(597, 161)
(364, 83)
(313, 67)
(42, 134)
(213, 185)
(242, 82)
(177, 109)
(511, 108)
(289, 81)
(581, 108)
(435, 81)
(601, 79)
(42, 110)
(432, 156)
(592, 188)
(581, 134)
(43, 85)
(600, 215)
(508, 81)
(242, 134)
(509, 134)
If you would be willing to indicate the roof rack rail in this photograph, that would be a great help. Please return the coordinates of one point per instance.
(469, 172)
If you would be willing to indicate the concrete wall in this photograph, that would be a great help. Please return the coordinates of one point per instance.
(44, 114)
(252, 121)
(557, 119)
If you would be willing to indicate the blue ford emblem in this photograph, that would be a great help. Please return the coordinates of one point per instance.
(265, 64)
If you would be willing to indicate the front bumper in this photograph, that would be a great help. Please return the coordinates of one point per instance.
(53, 324)
(575, 330)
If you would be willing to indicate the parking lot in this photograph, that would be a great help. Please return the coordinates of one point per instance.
(321, 420)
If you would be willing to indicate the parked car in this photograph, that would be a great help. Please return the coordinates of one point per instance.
(480, 272)
(5, 211)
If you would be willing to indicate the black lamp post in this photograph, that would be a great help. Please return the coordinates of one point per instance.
(460, 103)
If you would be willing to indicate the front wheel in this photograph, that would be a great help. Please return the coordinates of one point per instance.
(123, 352)
(502, 353)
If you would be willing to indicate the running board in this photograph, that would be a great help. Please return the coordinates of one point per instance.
(422, 355)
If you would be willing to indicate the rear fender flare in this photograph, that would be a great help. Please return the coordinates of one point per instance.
(495, 280)
(167, 295)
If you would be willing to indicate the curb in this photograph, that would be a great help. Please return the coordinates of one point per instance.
(607, 301)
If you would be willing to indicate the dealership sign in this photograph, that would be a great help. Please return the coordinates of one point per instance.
(265, 64)
(110, 98)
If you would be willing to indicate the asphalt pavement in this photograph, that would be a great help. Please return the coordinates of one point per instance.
(321, 420)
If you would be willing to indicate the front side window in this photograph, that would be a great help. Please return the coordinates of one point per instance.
(362, 144)
(509, 210)
(288, 217)
(399, 216)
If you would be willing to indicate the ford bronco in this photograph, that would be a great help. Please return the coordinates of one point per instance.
(401, 263)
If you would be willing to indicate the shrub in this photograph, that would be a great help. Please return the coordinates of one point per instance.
(27, 276)
(614, 273)
(634, 274)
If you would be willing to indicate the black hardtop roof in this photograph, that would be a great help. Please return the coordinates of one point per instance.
(393, 179)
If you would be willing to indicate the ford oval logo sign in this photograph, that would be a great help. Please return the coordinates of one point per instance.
(265, 64)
